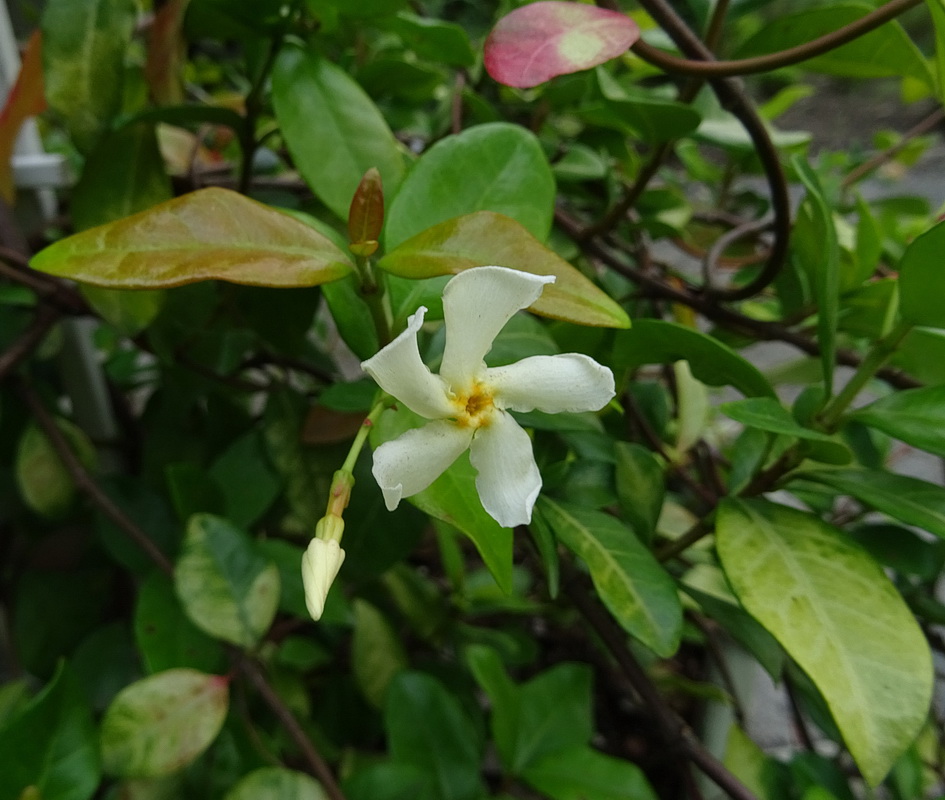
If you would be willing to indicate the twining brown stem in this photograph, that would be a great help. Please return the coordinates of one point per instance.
(700, 67)
(920, 128)
(672, 728)
(317, 765)
(679, 292)
(29, 340)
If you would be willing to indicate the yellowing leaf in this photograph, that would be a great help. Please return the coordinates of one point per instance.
(208, 234)
(486, 238)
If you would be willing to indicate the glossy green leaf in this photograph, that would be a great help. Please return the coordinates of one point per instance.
(885, 52)
(839, 617)
(123, 175)
(428, 729)
(165, 636)
(391, 780)
(582, 773)
(910, 500)
(377, 654)
(548, 714)
(84, 47)
(486, 238)
(768, 414)
(452, 498)
(434, 39)
(159, 724)
(653, 341)
(914, 416)
(333, 130)
(922, 279)
(43, 481)
(937, 11)
(640, 487)
(208, 234)
(629, 580)
(247, 481)
(493, 167)
(226, 587)
(50, 744)
(276, 783)
(818, 252)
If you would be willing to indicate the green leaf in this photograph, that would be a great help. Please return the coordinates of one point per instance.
(493, 167)
(276, 783)
(818, 251)
(123, 175)
(486, 238)
(247, 481)
(226, 587)
(452, 498)
(914, 416)
(631, 583)
(391, 781)
(129, 312)
(377, 654)
(84, 46)
(907, 499)
(548, 714)
(208, 234)
(839, 617)
(922, 280)
(43, 481)
(332, 128)
(640, 487)
(165, 636)
(162, 723)
(427, 728)
(50, 744)
(434, 39)
(882, 53)
(657, 342)
(937, 11)
(585, 774)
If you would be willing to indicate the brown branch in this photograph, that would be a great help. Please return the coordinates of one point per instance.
(687, 295)
(922, 127)
(317, 765)
(700, 67)
(84, 482)
(672, 728)
(29, 340)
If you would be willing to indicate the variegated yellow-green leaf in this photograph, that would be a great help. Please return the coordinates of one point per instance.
(486, 238)
(208, 234)
(839, 617)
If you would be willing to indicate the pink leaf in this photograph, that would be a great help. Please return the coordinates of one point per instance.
(539, 41)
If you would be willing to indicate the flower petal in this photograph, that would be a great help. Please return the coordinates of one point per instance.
(399, 371)
(476, 305)
(411, 462)
(508, 481)
(320, 565)
(568, 382)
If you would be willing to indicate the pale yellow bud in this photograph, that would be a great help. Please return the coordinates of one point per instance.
(320, 564)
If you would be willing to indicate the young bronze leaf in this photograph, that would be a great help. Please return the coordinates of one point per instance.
(209, 234)
(486, 238)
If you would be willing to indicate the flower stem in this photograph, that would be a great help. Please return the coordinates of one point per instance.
(373, 289)
(363, 432)
(879, 355)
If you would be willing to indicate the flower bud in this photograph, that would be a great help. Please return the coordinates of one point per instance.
(320, 565)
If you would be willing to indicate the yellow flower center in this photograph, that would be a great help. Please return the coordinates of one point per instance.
(474, 408)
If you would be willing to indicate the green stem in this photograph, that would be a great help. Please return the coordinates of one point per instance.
(254, 105)
(373, 289)
(879, 355)
(363, 432)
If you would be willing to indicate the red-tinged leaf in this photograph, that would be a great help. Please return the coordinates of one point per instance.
(486, 238)
(26, 99)
(166, 54)
(366, 217)
(535, 43)
(209, 234)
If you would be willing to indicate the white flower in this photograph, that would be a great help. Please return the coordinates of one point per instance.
(469, 402)
(320, 564)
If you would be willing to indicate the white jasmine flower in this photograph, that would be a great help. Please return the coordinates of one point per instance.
(320, 564)
(469, 402)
